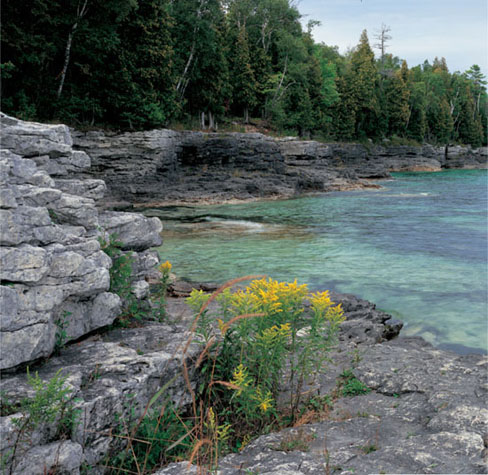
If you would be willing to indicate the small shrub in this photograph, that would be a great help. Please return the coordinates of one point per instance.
(121, 277)
(161, 438)
(61, 335)
(367, 449)
(297, 441)
(351, 386)
(264, 337)
(50, 404)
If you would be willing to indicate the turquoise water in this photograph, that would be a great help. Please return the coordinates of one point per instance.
(417, 248)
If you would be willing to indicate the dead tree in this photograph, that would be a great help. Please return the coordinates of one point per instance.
(383, 37)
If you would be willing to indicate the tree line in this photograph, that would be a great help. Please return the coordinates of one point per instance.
(138, 64)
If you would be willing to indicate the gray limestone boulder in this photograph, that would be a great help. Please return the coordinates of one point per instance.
(92, 189)
(63, 458)
(111, 378)
(33, 139)
(136, 232)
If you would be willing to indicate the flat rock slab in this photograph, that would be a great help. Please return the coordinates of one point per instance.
(426, 413)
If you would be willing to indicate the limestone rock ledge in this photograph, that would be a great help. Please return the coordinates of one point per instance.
(166, 166)
(426, 413)
(53, 272)
(113, 376)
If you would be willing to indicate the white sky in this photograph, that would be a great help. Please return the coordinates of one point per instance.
(420, 29)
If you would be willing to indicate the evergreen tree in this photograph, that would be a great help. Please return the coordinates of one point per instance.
(243, 81)
(145, 88)
(344, 111)
(417, 121)
(209, 87)
(397, 102)
(363, 77)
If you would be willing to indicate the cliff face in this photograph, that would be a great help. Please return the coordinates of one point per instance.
(165, 166)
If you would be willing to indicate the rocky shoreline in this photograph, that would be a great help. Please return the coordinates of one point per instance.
(426, 409)
(162, 167)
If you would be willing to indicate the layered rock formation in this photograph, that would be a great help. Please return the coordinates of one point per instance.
(54, 274)
(169, 166)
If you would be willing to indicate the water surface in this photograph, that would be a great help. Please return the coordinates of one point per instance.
(417, 248)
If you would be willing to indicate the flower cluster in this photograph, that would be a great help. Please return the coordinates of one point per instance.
(197, 299)
(165, 268)
(263, 398)
(241, 378)
(270, 337)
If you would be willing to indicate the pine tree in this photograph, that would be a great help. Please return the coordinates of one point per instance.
(363, 77)
(344, 111)
(469, 129)
(417, 122)
(397, 97)
(145, 87)
(243, 80)
(208, 86)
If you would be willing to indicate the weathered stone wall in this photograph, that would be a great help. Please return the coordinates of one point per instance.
(166, 166)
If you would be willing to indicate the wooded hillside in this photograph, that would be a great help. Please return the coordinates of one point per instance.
(136, 64)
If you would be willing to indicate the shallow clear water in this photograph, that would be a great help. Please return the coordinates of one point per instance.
(417, 248)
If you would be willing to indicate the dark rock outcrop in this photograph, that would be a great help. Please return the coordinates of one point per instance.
(168, 166)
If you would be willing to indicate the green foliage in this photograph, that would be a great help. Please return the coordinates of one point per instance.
(161, 438)
(264, 338)
(367, 449)
(50, 404)
(296, 441)
(121, 279)
(50, 401)
(351, 386)
(244, 83)
(61, 335)
(139, 65)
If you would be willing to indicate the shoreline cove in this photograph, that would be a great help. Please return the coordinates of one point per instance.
(381, 404)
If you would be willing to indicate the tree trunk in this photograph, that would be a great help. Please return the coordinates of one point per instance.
(183, 82)
(202, 120)
(246, 115)
(67, 52)
(211, 124)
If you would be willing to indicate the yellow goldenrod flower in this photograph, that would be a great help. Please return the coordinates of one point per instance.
(165, 267)
(335, 315)
(244, 302)
(245, 441)
(197, 299)
(221, 325)
(264, 399)
(321, 302)
(241, 378)
(211, 419)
